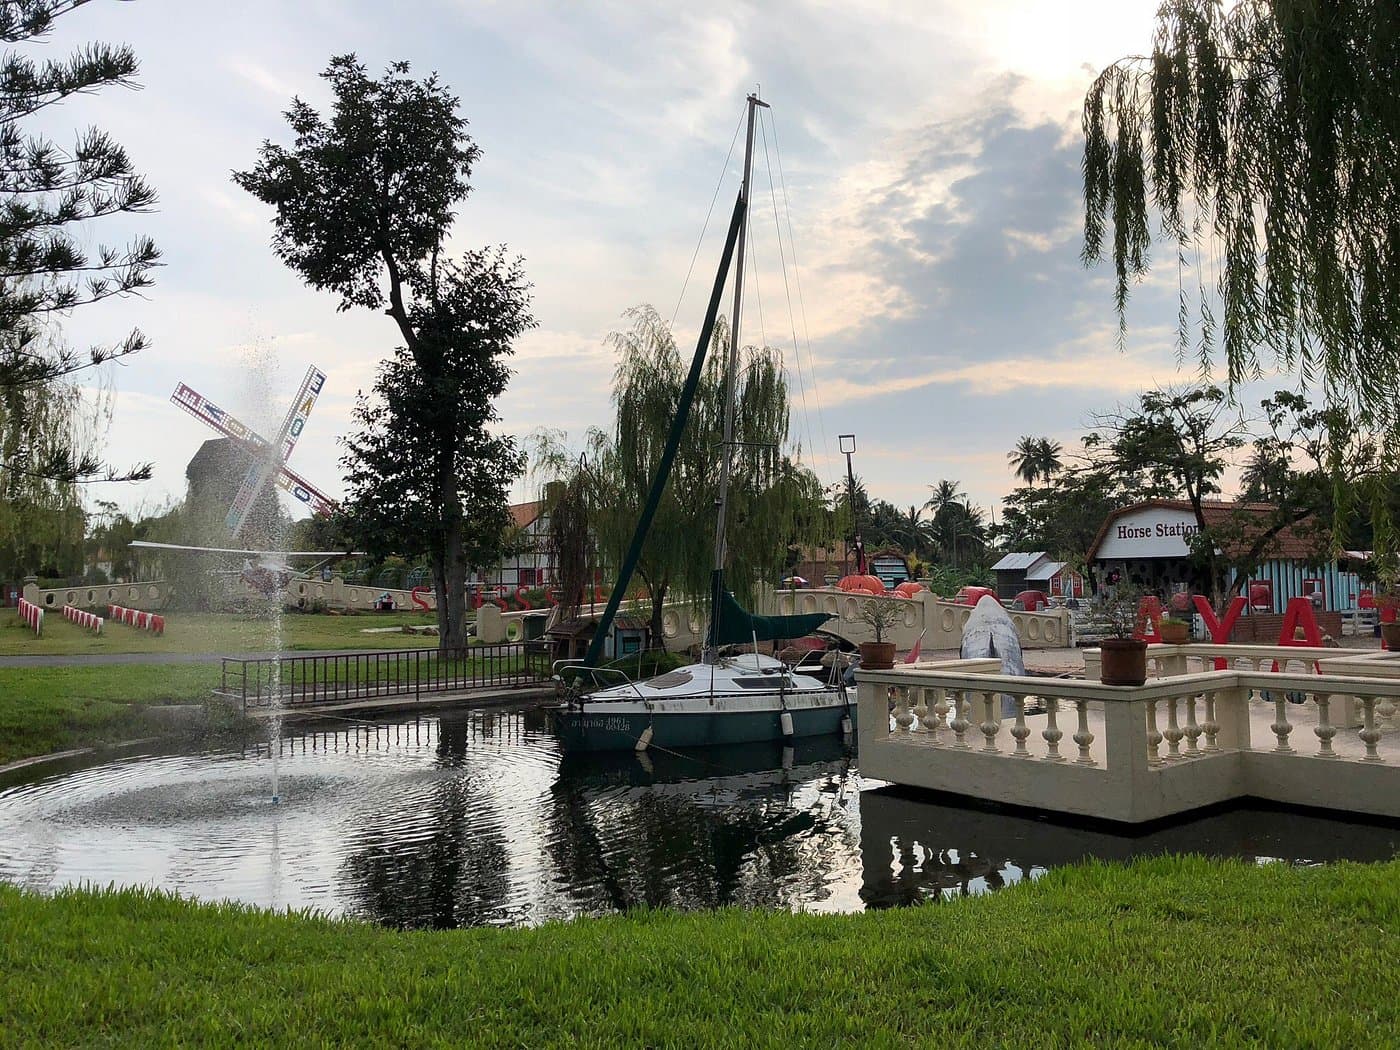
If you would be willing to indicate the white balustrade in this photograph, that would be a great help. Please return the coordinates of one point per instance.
(1141, 753)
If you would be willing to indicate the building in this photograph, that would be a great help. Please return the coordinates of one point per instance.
(1035, 571)
(1149, 545)
(532, 565)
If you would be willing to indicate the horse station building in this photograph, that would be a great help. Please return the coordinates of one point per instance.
(1149, 544)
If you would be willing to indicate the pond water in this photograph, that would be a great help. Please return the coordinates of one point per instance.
(476, 818)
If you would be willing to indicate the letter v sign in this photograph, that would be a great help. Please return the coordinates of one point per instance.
(1219, 629)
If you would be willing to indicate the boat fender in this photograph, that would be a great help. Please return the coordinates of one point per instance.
(846, 726)
(644, 741)
(785, 720)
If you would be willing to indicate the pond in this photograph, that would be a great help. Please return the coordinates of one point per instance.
(476, 818)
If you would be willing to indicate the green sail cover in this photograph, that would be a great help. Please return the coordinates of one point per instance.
(732, 624)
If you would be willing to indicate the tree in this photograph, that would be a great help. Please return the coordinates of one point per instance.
(945, 493)
(49, 196)
(364, 204)
(1178, 441)
(1025, 459)
(1047, 458)
(1035, 459)
(774, 502)
(1270, 128)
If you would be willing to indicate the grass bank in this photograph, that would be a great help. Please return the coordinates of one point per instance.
(1174, 951)
(46, 709)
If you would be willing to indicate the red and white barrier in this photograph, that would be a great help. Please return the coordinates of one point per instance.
(32, 615)
(142, 621)
(86, 620)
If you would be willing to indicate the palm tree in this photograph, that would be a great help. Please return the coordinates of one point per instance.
(1047, 458)
(944, 494)
(1025, 459)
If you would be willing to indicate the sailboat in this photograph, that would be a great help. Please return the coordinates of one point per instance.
(721, 699)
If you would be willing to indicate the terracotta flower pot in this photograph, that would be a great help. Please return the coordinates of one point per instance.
(1391, 633)
(877, 656)
(1175, 633)
(1122, 661)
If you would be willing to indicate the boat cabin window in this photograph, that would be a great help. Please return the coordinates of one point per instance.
(670, 680)
(755, 683)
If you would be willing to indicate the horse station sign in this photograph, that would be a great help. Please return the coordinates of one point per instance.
(1149, 545)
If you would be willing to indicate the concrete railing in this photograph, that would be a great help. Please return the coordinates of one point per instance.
(153, 594)
(1135, 754)
(940, 622)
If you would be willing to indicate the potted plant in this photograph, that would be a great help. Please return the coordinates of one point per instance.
(879, 614)
(1123, 658)
(1174, 631)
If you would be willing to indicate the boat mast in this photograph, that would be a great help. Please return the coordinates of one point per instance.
(731, 383)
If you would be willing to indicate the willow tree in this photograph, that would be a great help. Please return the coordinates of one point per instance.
(1265, 133)
(774, 502)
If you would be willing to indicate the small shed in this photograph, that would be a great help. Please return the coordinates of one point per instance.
(891, 566)
(1013, 571)
(570, 638)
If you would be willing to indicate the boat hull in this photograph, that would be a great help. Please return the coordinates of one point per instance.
(611, 727)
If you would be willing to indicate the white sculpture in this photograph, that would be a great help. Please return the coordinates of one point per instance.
(990, 633)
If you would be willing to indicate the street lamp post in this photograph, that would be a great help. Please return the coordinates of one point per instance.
(848, 447)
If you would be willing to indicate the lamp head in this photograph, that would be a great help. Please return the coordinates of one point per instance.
(848, 443)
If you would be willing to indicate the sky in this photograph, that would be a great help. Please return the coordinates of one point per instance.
(929, 151)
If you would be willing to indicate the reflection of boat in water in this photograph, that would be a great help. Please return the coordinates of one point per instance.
(754, 825)
(763, 765)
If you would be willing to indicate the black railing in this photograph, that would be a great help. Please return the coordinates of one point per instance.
(343, 677)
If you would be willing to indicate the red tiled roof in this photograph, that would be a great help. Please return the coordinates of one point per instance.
(1305, 540)
(526, 514)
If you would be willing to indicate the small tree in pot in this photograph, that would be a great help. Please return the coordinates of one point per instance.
(1123, 658)
(880, 614)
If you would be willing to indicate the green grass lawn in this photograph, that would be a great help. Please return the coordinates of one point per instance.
(45, 709)
(213, 633)
(1174, 951)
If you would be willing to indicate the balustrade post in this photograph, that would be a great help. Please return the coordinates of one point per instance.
(960, 723)
(1052, 734)
(1211, 726)
(902, 718)
(1173, 732)
(1281, 726)
(1154, 735)
(1082, 736)
(1369, 734)
(940, 712)
(1193, 730)
(991, 723)
(1020, 730)
(1324, 729)
(921, 710)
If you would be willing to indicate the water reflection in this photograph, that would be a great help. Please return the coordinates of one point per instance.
(913, 849)
(476, 818)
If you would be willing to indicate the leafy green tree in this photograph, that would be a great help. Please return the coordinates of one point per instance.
(1267, 128)
(774, 502)
(364, 203)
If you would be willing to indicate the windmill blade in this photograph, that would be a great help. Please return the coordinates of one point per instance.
(301, 408)
(245, 552)
(211, 415)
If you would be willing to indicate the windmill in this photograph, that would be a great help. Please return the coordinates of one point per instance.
(269, 457)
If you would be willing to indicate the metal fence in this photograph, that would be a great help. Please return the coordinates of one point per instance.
(341, 677)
